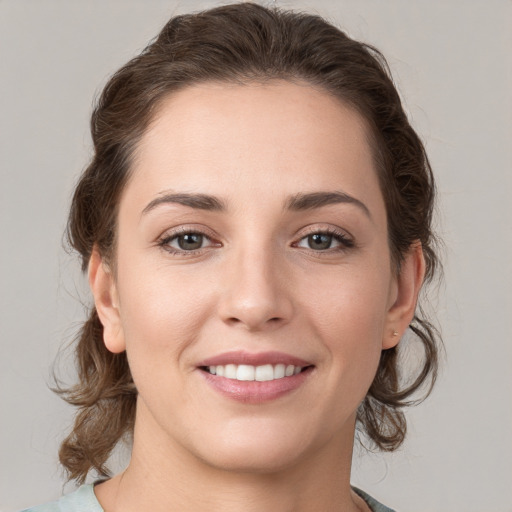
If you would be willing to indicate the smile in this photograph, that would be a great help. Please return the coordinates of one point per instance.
(263, 373)
(255, 378)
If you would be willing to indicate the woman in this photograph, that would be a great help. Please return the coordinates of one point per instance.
(256, 227)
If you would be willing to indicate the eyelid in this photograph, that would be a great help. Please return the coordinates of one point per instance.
(345, 239)
(173, 233)
(323, 228)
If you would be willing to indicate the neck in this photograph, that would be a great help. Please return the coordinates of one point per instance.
(163, 476)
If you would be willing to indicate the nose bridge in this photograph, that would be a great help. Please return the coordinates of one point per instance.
(255, 294)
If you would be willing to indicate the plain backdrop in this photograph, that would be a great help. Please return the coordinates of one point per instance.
(451, 62)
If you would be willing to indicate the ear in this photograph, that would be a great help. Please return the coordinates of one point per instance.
(404, 296)
(103, 287)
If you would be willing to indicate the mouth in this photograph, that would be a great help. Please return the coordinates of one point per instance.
(247, 373)
(255, 378)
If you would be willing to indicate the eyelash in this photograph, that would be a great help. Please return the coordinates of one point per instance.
(339, 236)
(345, 241)
(169, 237)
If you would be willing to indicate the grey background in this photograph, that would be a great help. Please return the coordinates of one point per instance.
(451, 61)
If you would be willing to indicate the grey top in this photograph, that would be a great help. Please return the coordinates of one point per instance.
(374, 505)
(84, 500)
(81, 500)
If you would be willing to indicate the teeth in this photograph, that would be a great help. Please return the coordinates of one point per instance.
(230, 371)
(264, 373)
(247, 372)
(279, 371)
(244, 372)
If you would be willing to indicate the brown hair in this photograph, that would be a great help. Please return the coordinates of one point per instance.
(242, 43)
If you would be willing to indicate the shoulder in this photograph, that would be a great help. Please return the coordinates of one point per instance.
(374, 505)
(82, 500)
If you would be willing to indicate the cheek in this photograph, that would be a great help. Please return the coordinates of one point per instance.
(349, 301)
(162, 312)
(350, 318)
(162, 318)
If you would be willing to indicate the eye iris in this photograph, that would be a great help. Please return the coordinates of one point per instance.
(190, 241)
(319, 241)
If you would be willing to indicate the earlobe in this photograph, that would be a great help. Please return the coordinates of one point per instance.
(406, 291)
(103, 287)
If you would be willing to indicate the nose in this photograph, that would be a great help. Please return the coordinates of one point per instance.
(255, 292)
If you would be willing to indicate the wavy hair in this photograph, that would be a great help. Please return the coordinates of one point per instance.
(242, 43)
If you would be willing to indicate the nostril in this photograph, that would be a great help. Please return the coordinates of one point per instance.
(234, 319)
(252, 324)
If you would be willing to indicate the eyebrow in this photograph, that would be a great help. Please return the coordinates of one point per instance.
(297, 202)
(300, 202)
(198, 201)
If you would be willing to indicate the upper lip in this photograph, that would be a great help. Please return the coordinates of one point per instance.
(258, 359)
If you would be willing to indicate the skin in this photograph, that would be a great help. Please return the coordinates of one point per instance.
(255, 285)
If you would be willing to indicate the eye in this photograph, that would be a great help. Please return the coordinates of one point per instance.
(185, 242)
(323, 241)
(188, 241)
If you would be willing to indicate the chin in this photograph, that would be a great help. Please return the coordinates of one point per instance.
(257, 449)
(254, 460)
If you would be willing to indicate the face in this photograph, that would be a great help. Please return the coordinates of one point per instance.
(254, 290)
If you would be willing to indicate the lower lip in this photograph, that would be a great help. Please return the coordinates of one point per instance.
(254, 392)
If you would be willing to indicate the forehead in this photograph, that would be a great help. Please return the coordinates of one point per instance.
(257, 138)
